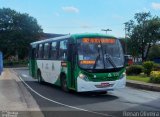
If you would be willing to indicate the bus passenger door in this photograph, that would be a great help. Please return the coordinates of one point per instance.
(72, 61)
(32, 62)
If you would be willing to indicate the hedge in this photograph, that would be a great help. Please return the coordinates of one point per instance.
(155, 77)
(134, 70)
(7, 63)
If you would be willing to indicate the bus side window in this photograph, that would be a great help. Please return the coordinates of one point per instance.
(46, 51)
(54, 50)
(63, 50)
(36, 51)
(40, 51)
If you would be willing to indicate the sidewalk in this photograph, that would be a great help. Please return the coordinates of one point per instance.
(14, 97)
(143, 85)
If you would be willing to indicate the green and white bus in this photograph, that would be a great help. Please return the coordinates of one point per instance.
(80, 62)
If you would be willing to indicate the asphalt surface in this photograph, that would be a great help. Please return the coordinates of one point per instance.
(54, 102)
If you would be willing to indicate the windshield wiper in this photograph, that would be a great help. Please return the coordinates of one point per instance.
(95, 64)
(97, 58)
(110, 60)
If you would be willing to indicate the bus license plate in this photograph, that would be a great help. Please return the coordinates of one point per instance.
(105, 84)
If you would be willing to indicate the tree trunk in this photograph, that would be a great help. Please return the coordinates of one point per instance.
(143, 50)
(16, 56)
(143, 59)
(148, 48)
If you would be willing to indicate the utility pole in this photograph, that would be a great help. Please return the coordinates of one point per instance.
(125, 29)
(106, 30)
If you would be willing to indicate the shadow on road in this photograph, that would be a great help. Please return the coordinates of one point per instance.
(71, 98)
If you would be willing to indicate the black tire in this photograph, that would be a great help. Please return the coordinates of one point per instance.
(103, 92)
(100, 93)
(39, 77)
(64, 83)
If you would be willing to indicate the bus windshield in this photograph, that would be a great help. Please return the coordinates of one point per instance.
(100, 53)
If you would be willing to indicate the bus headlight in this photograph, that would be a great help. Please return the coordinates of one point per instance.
(122, 75)
(83, 77)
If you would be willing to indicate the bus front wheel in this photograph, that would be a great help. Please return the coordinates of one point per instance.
(64, 83)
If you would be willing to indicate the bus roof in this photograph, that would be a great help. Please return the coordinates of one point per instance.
(82, 35)
(74, 36)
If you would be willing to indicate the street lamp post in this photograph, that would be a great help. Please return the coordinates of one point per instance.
(106, 30)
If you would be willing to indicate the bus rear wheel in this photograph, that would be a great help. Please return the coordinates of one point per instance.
(64, 83)
(39, 77)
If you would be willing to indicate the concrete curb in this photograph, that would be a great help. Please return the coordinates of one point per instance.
(32, 106)
(21, 68)
(142, 85)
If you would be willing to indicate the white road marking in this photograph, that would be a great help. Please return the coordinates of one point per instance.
(53, 101)
(24, 75)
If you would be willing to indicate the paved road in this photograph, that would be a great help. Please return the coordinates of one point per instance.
(53, 101)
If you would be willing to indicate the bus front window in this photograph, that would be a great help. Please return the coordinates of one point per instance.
(97, 53)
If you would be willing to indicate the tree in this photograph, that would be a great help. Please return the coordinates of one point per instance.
(142, 33)
(154, 52)
(123, 43)
(17, 31)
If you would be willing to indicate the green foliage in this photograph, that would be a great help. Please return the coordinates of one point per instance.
(155, 77)
(156, 67)
(19, 63)
(142, 32)
(134, 70)
(139, 78)
(17, 30)
(148, 66)
(123, 43)
(154, 52)
(132, 48)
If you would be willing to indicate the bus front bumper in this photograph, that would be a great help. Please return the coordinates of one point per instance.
(85, 86)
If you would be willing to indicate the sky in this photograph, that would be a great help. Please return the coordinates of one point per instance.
(81, 16)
